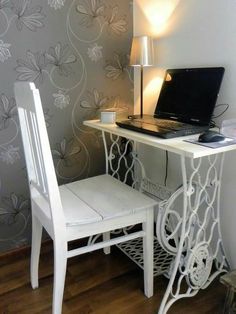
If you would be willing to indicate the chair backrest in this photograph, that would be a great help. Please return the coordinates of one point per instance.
(39, 162)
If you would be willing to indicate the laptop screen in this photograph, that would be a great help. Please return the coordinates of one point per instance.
(189, 95)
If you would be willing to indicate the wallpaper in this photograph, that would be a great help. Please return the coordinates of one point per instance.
(77, 53)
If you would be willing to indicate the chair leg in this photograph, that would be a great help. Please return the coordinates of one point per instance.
(106, 237)
(60, 263)
(148, 254)
(35, 251)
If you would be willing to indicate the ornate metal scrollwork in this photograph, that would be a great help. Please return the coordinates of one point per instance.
(199, 265)
(188, 224)
(123, 163)
(189, 228)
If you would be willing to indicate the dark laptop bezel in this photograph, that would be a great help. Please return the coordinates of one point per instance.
(161, 113)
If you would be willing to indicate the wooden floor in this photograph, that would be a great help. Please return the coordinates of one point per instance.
(95, 283)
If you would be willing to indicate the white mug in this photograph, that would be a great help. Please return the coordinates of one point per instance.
(108, 116)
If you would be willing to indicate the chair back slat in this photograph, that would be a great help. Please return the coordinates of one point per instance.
(36, 145)
(34, 155)
(39, 163)
(27, 144)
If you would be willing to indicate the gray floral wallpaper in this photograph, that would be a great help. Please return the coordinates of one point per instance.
(76, 52)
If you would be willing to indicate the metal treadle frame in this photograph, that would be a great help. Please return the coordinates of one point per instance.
(123, 163)
(188, 220)
(134, 250)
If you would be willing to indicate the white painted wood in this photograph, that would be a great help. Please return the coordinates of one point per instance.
(111, 196)
(71, 202)
(106, 237)
(175, 145)
(35, 251)
(60, 262)
(75, 210)
(147, 254)
(104, 244)
(87, 230)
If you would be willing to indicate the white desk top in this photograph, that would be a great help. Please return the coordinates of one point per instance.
(175, 145)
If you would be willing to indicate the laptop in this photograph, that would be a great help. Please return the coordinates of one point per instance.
(185, 105)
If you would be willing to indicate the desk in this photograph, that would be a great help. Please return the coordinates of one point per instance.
(188, 221)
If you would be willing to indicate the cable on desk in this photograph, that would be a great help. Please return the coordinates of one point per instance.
(166, 172)
(224, 110)
(213, 123)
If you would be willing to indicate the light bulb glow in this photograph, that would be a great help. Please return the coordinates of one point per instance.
(158, 12)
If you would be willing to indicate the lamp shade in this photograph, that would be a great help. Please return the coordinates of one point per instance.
(142, 53)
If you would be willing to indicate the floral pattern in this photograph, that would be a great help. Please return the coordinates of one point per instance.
(32, 68)
(116, 24)
(4, 4)
(90, 11)
(95, 52)
(61, 58)
(14, 207)
(56, 4)
(116, 68)
(4, 51)
(7, 111)
(10, 155)
(66, 150)
(94, 101)
(47, 117)
(68, 48)
(61, 100)
(29, 17)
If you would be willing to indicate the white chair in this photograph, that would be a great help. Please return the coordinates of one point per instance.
(76, 210)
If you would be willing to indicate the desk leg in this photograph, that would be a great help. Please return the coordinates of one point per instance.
(191, 232)
(122, 162)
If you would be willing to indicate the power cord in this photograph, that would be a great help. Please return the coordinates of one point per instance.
(224, 110)
(166, 171)
(213, 123)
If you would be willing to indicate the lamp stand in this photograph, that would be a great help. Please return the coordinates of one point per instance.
(142, 55)
(140, 115)
(141, 91)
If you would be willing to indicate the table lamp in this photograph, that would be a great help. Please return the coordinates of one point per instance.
(142, 55)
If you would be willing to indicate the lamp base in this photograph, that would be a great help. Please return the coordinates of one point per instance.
(137, 116)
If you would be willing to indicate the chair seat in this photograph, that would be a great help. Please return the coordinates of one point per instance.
(102, 194)
(75, 210)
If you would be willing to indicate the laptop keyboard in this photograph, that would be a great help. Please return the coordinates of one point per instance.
(166, 124)
(165, 129)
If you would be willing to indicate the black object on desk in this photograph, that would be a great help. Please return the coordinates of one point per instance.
(185, 104)
(210, 137)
